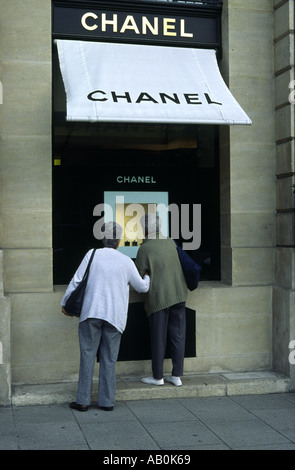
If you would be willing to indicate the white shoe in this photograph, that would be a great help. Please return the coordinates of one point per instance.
(152, 381)
(174, 380)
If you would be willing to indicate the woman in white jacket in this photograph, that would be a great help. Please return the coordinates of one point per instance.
(104, 315)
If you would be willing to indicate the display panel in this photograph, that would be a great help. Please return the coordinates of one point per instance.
(127, 208)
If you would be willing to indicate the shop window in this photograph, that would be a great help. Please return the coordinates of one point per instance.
(92, 160)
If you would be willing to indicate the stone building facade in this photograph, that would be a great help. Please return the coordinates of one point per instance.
(245, 321)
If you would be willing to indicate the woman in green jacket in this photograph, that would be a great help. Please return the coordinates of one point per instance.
(165, 301)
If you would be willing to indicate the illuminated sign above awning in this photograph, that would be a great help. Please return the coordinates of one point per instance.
(109, 82)
(139, 22)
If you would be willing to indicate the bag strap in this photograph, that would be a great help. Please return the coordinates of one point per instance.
(89, 263)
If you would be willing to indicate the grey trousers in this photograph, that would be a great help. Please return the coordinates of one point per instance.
(94, 334)
(168, 325)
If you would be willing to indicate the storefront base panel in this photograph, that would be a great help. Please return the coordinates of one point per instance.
(233, 333)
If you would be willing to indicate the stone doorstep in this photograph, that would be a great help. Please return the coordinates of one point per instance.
(131, 388)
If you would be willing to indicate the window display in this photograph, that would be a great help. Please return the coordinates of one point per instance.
(127, 208)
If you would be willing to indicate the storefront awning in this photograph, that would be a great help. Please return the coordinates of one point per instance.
(108, 82)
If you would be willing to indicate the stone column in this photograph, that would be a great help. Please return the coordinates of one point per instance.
(25, 145)
(284, 290)
(25, 169)
(247, 154)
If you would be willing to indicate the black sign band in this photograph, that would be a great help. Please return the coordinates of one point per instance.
(173, 27)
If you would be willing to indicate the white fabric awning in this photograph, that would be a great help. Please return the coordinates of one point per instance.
(111, 82)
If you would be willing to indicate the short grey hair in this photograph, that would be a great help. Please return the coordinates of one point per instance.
(112, 234)
(151, 224)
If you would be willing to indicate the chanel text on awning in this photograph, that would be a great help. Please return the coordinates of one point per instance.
(189, 98)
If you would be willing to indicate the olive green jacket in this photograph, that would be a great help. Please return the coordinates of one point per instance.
(159, 258)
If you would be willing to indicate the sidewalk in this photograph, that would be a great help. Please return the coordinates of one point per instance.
(244, 422)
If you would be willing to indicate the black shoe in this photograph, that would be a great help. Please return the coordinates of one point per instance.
(106, 408)
(78, 407)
